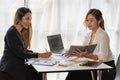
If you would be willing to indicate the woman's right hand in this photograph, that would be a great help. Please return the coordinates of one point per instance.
(80, 53)
(44, 55)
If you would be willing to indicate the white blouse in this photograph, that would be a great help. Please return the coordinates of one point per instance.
(102, 49)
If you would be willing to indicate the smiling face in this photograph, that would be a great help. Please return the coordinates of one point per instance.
(91, 22)
(25, 22)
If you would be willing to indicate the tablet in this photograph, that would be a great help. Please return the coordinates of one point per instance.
(89, 48)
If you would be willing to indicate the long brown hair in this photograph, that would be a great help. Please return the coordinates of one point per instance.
(98, 15)
(26, 34)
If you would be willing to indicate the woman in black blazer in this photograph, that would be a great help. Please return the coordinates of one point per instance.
(17, 44)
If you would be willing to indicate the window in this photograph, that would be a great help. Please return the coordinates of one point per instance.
(7, 12)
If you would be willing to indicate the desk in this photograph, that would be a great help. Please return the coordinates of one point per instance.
(75, 67)
(57, 68)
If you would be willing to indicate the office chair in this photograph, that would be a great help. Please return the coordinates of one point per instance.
(118, 69)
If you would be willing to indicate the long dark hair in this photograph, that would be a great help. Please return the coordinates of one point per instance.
(98, 15)
(26, 34)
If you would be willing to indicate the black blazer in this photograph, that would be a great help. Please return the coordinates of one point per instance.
(13, 59)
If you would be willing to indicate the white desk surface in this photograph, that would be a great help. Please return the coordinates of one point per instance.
(57, 68)
(73, 67)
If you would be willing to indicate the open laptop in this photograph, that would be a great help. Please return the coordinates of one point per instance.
(55, 43)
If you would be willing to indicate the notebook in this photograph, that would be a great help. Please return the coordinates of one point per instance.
(55, 43)
(89, 48)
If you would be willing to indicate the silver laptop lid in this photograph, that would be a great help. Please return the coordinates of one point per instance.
(55, 42)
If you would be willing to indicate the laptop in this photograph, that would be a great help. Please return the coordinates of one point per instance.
(55, 43)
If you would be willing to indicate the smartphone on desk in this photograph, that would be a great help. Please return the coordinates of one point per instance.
(90, 63)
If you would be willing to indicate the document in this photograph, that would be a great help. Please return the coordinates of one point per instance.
(89, 48)
(58, 56)
(45, 62)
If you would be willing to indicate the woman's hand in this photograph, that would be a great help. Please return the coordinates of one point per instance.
(44, 55)
(85, 54)
(79, 53)
(67, 54)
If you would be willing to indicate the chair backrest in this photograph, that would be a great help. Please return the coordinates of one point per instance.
(118, 68)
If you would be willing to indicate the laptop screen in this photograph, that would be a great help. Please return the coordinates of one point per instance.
(55, 42)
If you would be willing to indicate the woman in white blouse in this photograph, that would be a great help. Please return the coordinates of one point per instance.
(95, 22)
(102, 51)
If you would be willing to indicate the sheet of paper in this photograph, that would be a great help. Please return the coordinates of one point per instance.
(45, 62)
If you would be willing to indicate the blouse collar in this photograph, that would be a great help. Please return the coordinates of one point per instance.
(97, 32)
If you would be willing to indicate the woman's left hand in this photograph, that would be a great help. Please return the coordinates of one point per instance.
(79, 53)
